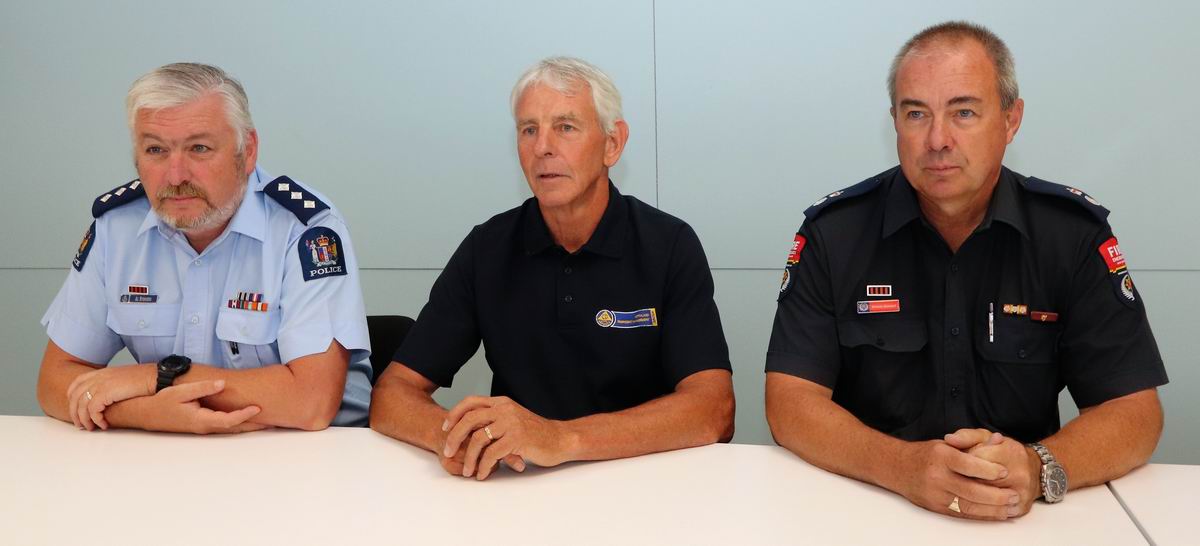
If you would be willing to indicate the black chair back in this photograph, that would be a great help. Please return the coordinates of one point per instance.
(387, 333)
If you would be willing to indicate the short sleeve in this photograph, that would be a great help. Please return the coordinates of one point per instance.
(321, 298)
(446, 334)
(804, 340)
(76, 319)
(1107, 348)
(692, 337)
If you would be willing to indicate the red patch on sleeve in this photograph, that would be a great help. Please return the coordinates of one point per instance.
(1111, 253)
(797, 247)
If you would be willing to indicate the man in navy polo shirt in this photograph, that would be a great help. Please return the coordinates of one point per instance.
(595, 310)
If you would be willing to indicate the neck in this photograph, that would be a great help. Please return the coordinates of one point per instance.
(572, 225)
(200, 240)
(956, 220)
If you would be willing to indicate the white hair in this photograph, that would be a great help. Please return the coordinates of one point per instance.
(180, 83)
(565, 75)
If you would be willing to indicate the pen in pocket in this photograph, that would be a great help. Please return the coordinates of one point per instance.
(991, 322)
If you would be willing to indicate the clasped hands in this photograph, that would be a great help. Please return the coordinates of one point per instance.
(482, 431)
(992, 476)
(175, 409)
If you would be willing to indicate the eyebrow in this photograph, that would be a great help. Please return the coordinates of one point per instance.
(963, 99)
(197, 136)
(570, 116)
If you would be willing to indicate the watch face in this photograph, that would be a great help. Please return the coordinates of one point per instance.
(173, 363)
(1056, 482)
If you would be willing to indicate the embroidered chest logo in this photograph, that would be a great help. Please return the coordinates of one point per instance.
(642, 318)
(321, 254)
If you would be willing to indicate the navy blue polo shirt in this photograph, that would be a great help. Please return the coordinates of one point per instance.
(611, 326)
(918, 341)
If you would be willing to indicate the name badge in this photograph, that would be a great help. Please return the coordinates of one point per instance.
(642, 318)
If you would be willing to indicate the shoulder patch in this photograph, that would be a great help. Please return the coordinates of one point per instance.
(1037, 185)
(321, 253)
(120, 195)
(858, 189)
(295, 198)
(1118, 272)
(85, 247)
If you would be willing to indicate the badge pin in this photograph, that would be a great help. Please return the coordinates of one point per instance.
(878, 306)
(879, 290)
(249, 301)
(1043, 316)
(1018, 309)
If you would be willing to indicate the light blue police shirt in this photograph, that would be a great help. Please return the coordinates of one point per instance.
(280, 283)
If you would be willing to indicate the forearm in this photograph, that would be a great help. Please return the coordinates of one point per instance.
(407, 413)
(1108, 440)
(827, 436)
(285, 400)
(138, 413)
(53, 381)
(675, 421)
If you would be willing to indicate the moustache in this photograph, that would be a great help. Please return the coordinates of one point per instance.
(185, 189)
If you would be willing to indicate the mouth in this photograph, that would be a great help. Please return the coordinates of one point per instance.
(942, 169)
(550, 176)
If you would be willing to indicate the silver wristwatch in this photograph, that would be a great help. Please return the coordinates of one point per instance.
(1054, 477)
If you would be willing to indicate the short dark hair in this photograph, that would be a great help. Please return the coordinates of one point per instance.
(955, 31)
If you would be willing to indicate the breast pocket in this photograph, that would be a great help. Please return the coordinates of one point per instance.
(1018, 374)
(884, 370)
(148, 330)
(248, 338)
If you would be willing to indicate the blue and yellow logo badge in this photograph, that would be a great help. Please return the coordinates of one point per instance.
(642, 318)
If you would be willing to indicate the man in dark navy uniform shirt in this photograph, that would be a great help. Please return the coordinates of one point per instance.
(595, 310)
(929, 316)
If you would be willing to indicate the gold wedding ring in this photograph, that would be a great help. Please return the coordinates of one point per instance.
(88, 394)
(488, 431)
(954, 506)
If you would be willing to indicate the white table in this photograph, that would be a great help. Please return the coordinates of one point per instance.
(1164, 499)
(59, 485)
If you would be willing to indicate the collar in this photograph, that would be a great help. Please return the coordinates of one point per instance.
(902, 207)
(250, 218)
(606, 240)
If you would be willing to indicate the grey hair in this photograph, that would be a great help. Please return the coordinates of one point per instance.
(176, 84)
(954, 32)
(565, 74)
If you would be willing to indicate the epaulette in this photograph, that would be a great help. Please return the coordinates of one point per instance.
(120, 195)
(295, 198)
(1038, 185)
(858, 189)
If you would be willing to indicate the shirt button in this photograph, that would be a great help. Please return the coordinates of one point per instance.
(567, 270)
(568, 299)
(954, 331)
(954, 268)
(197, 262)
(1022, 354)
(880, 342)
(953, 392)
(141, 324)
(195, 319)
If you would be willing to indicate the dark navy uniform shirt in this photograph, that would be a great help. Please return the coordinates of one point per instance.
(917, 341)
(616, 324)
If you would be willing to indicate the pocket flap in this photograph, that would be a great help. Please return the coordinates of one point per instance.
(143, 319)
(897, 335)
(249, 327)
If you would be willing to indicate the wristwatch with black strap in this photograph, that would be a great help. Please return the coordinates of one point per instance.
(1054, 477)
(171, 367)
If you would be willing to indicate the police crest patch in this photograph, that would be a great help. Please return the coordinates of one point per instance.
(321, 254)
(85, 247)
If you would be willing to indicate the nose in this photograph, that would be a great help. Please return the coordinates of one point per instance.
(939, 137)
(177, 171)
(545, 145)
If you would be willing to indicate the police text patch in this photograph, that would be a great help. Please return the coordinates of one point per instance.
(85, 247)
(321, 254)
(642, 318)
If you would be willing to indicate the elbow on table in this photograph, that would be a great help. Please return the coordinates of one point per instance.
(318, 415)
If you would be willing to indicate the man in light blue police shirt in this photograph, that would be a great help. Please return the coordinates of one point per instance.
(237, 292)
